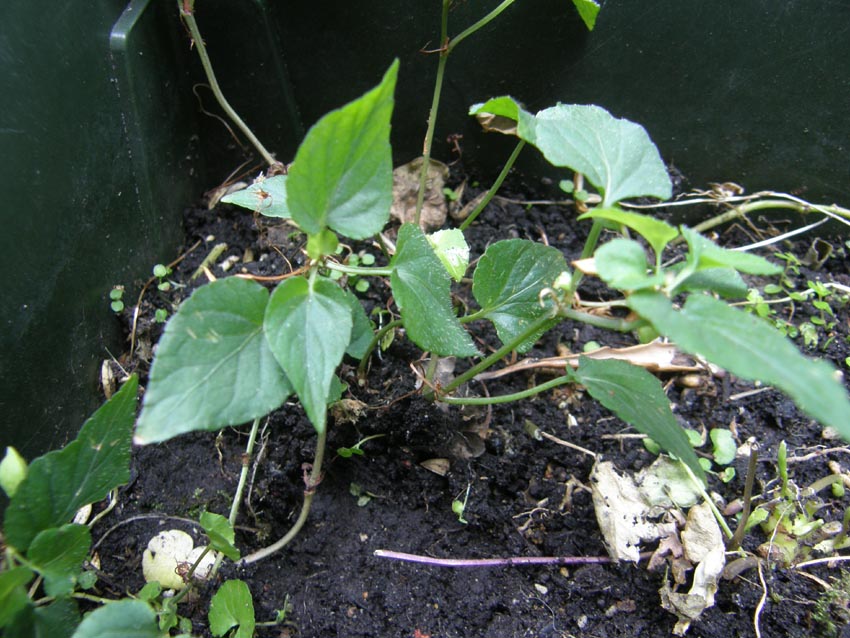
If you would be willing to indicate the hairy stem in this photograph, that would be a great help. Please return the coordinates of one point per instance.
(309, 492)
(495, 187)
(186, 12)
(735, 542)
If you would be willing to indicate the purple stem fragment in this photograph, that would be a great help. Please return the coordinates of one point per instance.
(493, 562)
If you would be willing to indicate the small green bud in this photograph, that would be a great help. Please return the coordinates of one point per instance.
(13, 470)
(161, 270)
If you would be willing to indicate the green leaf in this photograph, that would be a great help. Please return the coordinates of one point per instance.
(84, 471)
(656, 232)
(706, 254)
(220, 532)
(362, 329)
(321, 244)
(750, 348)
(507, 283)
(615, 155)
(13, 596)
(637, 397)
(588, 10)
(724, 446)
(342, 174)
(726, 282)
(504, 106)
(58, 619)
(121, 619)
(13, 470)
(266, 196)
(213, 366)
(58, 555)
(451, 248)
(422, 291)
(621, 263)
(232, 606)
(308, 325)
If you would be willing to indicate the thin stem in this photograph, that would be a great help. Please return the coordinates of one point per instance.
(738, 536)
(186, 12)
(507, 398)
(243, 476)
(310, 491)
(446, 48)
(495, 562)
(589, 246)
(376, 339)
(483, 22)
(358, 270)
(506, 349)
(432, 114)
(606, 323)
(495, 187)
(716, 512)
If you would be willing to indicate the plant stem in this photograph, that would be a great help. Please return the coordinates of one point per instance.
(589, 246)
(735, 542)
(358, 270)
(507, 398)
(243, 476)
(186, 12)
(606, 323)
(309, 492)
(446, 48)
(495, 187)
(506, 349)
(376, 339)
(432, 114)
(495, 562)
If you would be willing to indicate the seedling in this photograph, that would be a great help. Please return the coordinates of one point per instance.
(117, 297)
(459, 507)
(161, 271)
(357, 448)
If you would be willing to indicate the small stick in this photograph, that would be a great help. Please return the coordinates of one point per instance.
(497, 562)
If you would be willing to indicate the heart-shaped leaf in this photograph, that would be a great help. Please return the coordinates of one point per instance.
(621, 263)
(232, 606)
(422, 290)
(342, 176)
(120, 619)
(213, 367)
(507, 285)
(308, 325)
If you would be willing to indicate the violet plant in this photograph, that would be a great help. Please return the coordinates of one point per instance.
(234, 352)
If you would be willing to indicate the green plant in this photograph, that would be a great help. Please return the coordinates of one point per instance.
(116, 296)
(233, 352)
(832, 608)
(44, 570)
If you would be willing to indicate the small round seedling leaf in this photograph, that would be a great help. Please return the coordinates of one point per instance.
(232, 606)
(724, 444)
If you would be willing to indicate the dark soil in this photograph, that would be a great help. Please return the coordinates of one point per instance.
(525, 496)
